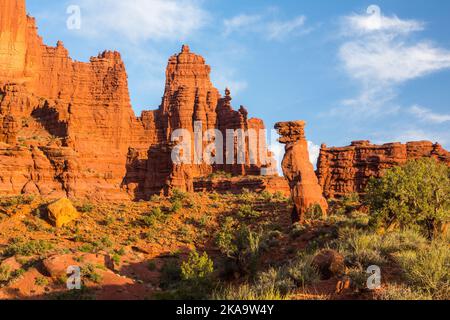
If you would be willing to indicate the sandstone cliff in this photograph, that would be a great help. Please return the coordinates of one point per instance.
(347, 170)
(68, 127)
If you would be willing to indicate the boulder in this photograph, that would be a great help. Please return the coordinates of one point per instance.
(330, 264)
(62, 212)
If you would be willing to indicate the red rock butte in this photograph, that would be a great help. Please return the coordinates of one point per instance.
(68, 128)
(345, 170)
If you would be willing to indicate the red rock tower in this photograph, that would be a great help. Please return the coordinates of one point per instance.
(13, 38)
(298, 169)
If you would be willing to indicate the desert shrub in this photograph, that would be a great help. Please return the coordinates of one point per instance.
(417, 194)
(247, 292)
(30, 248)
(297, 230)
(302, 270)
(314, 213)
(275, 283)
(153, 218)
(176, 207)
(403, 293)
(248, 244)
(246, 211)
(86, 208)
(192, 280)
(178, 196)
(197, 267)
(5, 273)
(89, 272)
(241, 246)
(427, 269)
(170, 274)
(247, 196)
(225, 237)
(15, 201)
(220, 175)
(41, 281)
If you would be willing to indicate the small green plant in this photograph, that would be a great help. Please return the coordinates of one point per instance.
(5, 273)
(314, 213)
(41, 281)
(89, 272)
(427, 269)
(86, 208)
(197, 267)
(30, 248)
(225, 237)
(246, 211)
(178, 196)
(403, 293)
(176, 207)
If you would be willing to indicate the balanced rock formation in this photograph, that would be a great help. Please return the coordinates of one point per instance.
(298, 169)
(67, 128)
(347, 170)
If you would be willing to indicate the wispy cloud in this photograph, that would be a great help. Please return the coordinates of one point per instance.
(428, 115)
(142, 20)
(266, 25)
(380, 54)
(242, 22)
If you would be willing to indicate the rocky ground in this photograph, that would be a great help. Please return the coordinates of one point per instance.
(126, 250)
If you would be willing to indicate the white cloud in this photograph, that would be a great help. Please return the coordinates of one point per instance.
(380, 55)
(374, 21)
(390, 61)
(314, 152)
(281, 29)
(141, 20)
(265, 25)
(428, 115)
(242, 21)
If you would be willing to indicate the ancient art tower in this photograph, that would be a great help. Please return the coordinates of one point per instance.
(298, 169)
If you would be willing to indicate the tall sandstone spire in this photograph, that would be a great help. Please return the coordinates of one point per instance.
(13, 38)
(68, 128)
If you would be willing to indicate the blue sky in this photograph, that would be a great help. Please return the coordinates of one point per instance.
(381, 74)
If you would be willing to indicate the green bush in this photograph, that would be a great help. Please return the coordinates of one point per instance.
(5, 273)
(246, 211)
(153, 218)
(30, 248)
(197, 267)
(314, 213)
(427, 269)
(225, 237)
(417, 194)
(176, 206)
(247, 292)
(86, 208)
(403, 293)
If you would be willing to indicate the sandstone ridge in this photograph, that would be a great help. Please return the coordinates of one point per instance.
(345, 170)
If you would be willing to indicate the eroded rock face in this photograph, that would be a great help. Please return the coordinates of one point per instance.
(346, 170)
(305, 189)
(68, 128)
(190, 99)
